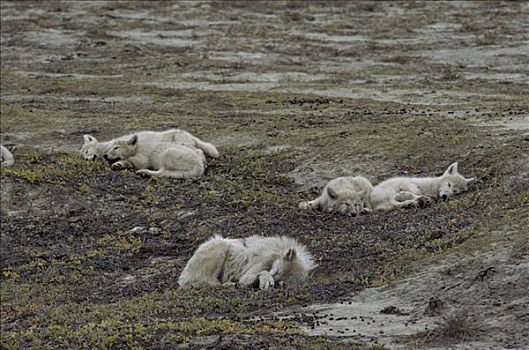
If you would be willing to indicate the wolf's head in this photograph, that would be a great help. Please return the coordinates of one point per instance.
(453, 183)
(89, 149)
(346, 202)
(294, 266)
(122, 149)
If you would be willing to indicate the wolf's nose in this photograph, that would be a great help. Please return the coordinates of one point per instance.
(444, 197)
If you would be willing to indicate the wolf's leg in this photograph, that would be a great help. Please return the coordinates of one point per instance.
(304, 205)
(252, 274)
(409, 187)
(178, 174)
(422, 201)
(314, 204)
(264, 277)
(229, 284)
(248, 279)
(405, 204)
(406, 195)
(393, 204)
(147, 172)
(366, 210)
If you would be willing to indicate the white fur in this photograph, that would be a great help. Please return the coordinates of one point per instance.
(6, 157)
(345, 195)
(157, 158)
(400, 192)
(92, 149)
(247, 261)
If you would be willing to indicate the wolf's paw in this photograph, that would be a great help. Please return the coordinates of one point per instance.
(366, 210)
(229, 285)
(413, 203)
(266, 281)
(424, 201)
(304, 205)
(119, 165)
(143, 172)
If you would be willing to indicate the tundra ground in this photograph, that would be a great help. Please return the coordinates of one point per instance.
(294, 94)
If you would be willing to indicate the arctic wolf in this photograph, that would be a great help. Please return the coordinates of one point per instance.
(345, 195)
(165, 158)
(255, 260)
(7, 158)
(400, 192)
(93, 149)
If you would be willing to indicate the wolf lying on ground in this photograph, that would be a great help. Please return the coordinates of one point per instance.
(345, 195)
(247, 261)
(355, 195)
(165, 158)
(93, 149)
(400, 192)
(6, 157)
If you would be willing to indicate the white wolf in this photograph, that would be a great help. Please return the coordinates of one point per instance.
(402, 192)
(345, 195)
(93, 149)
(165, 158)
(6, 157)
(255, 260)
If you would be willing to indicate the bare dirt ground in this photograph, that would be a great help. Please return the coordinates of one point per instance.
(294, 94)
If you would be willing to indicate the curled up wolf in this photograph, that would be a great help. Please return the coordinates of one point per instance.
(345, 195)
(157, 158)
(93, 149)
(256, 260)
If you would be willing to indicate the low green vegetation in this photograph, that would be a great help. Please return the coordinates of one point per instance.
(90, 257)
(100, 268)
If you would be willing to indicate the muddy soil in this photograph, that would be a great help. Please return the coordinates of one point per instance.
(294, 94)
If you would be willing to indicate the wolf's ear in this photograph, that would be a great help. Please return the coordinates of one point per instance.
(332, 193)
(452, 169)
(133, 140)
(290, 255)
(89, 139)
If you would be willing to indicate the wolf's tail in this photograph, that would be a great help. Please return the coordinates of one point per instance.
(207, 147)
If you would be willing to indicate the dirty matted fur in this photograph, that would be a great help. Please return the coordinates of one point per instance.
(92, 149)
(157, 158)
(400, 192)
(247, 261)
(6, 157)
(345, 195)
